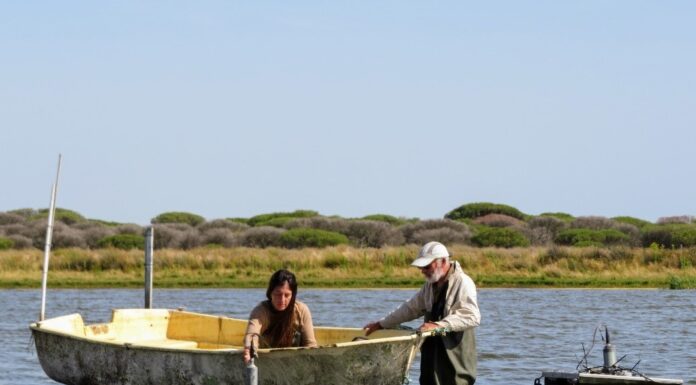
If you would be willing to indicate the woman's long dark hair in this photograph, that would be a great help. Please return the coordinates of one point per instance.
(281, 330)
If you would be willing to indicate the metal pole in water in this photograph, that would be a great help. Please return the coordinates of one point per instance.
(251, 372)
(149, 246)
(47, 246)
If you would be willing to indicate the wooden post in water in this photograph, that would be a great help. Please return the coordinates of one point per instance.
(149, 246)
(47, 246)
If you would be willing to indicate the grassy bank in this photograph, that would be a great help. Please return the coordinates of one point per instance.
(345, 267)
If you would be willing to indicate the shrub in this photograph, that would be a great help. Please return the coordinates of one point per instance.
(264, 219)
(639, 223)
(631, 231)
(223, 224)
(685, 236)
(372, 234)
(264, 236)
(670, 236)
(6, 243)
(190, 239)
(219, 236)
(444, 235)
(550, 223)
(179, 217)
(298, 238)
(123, 241)
(276, 222)
(675, 219)
(93, 233)
(65, 237)
(475, 210)
(538, 235)
(14, 229)
(24, 213)
(66, 216)
(337, 225)
(20, 241)
(36, 230)
(244, 221)
(129, 228)
(169, 235)
(565, 217)
(498, 220)
(392, 220)
(588, 237)
(409, 231)
(10, 219)
(499, 237)
(592, 223)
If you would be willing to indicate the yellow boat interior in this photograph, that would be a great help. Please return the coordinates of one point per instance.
(176, 329)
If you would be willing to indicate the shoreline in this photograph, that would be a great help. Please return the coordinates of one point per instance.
(71, 280)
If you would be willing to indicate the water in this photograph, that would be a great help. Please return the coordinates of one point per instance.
(523, 332)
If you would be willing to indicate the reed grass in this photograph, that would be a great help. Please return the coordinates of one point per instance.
(346, 266)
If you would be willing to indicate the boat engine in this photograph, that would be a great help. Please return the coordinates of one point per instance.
(608, 374)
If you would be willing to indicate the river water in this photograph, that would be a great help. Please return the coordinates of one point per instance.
(523, 331)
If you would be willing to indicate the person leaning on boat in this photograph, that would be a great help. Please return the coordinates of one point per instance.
(280, 321)
(447, 300)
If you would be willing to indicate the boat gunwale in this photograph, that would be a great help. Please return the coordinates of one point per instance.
(36, 326)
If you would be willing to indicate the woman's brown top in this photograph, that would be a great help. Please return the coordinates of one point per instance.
(261, 315)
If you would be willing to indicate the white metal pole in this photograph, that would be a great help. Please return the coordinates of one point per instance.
(47, 246)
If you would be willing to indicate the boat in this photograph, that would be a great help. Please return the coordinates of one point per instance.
(175, 347)
(609, 373)
(164, 346)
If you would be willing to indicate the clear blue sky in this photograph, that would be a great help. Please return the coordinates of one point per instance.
(232, 109)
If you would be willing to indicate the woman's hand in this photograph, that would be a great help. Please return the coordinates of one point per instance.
(247, 356)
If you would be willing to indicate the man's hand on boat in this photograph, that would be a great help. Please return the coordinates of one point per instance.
(371, 327)
(427, 326)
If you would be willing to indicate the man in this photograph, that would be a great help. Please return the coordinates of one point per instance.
(447, 300)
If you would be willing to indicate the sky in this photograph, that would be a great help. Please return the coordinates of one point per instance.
(407, 108)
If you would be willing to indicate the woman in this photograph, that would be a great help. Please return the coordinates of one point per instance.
(280, 321)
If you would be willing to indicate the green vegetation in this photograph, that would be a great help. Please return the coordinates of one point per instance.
(588, 237)
(392, 220)
(499, 237)
(278, 219)
(498, 245)
(299, 238)
(123, 241)
(179, 217)
(6, 243)
(475, 210)
(639, 223)
(475, 224)
(562, 216)
(346, 266)
(670, 235)
(66, 216)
